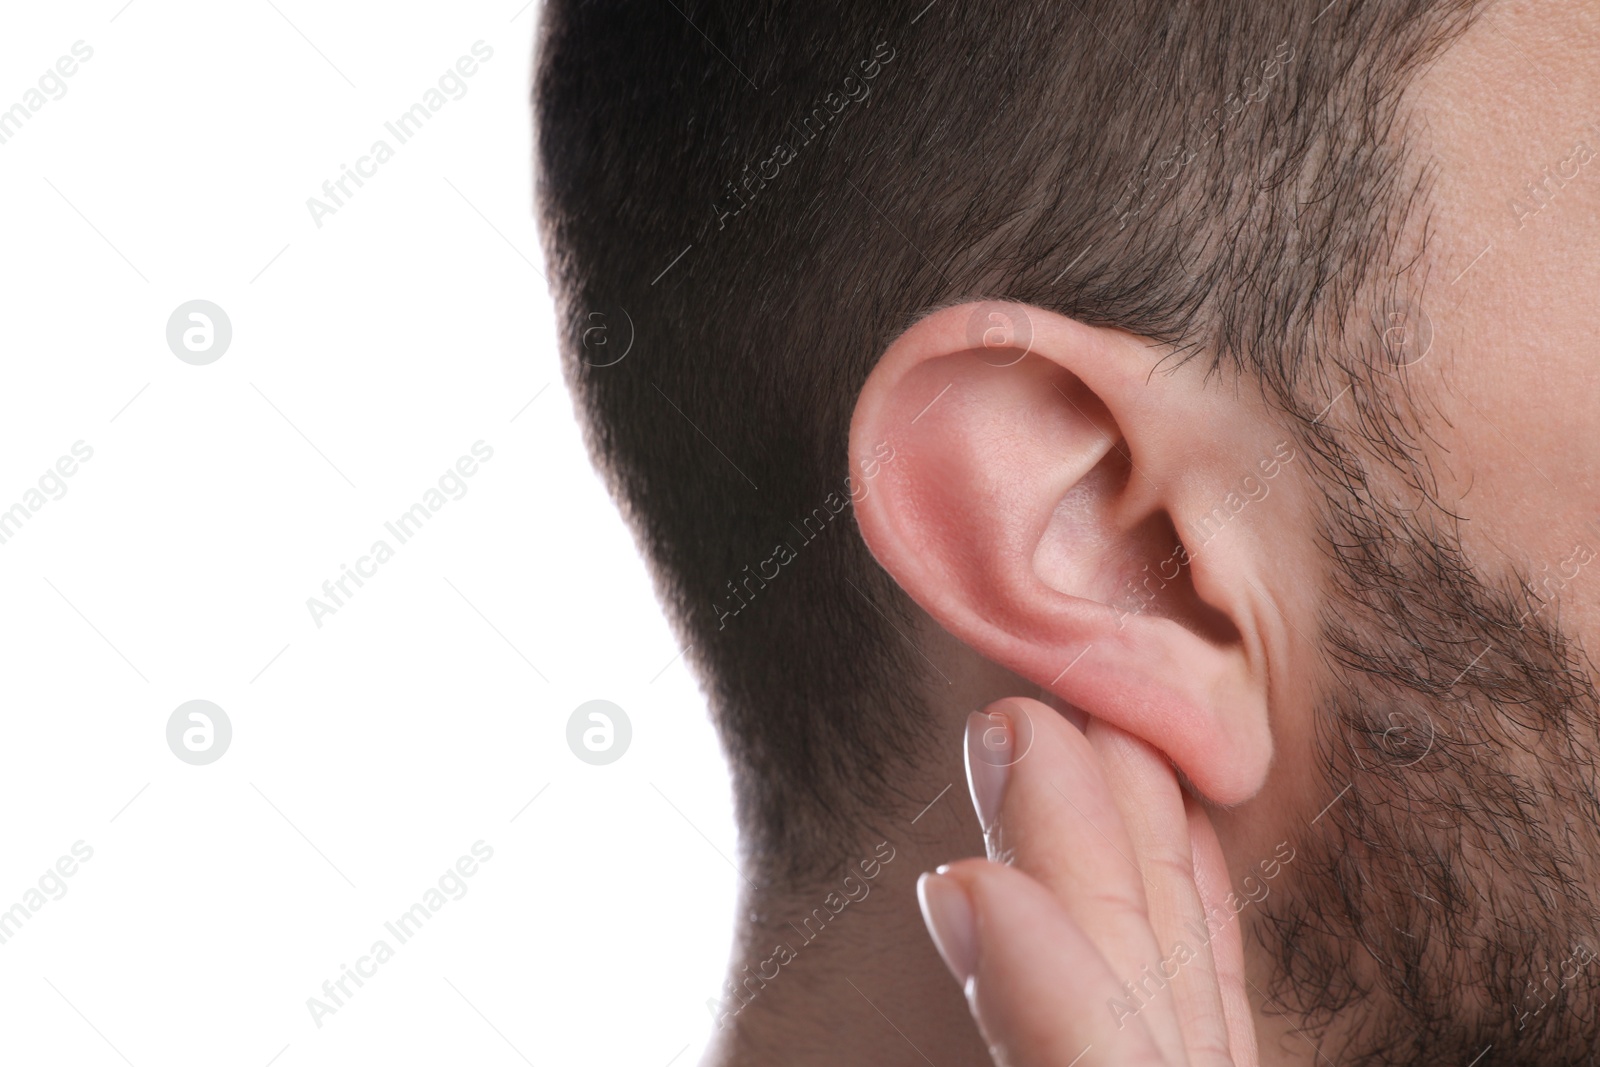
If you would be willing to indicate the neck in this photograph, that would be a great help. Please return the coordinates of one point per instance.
(844, 973)
(858, 981)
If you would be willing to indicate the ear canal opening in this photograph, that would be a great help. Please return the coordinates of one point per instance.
(1163, 585)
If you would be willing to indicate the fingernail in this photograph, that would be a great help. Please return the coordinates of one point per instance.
(948, 913)
(990, 744)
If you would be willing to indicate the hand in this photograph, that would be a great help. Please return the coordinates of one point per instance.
(1096, 933)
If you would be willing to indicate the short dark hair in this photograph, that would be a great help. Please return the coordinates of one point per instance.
(760, 196)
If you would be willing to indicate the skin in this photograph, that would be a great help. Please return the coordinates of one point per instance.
(1203, 708)
(1519, 375)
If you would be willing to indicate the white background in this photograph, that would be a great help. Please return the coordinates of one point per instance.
(421, 717)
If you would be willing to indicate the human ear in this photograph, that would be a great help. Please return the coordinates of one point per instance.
(1054, 502)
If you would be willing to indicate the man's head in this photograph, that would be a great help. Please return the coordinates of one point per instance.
(1182, 360)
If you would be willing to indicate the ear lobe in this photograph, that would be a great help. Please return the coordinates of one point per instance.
(1024, 512)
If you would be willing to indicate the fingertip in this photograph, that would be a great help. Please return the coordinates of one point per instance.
(947, 911)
